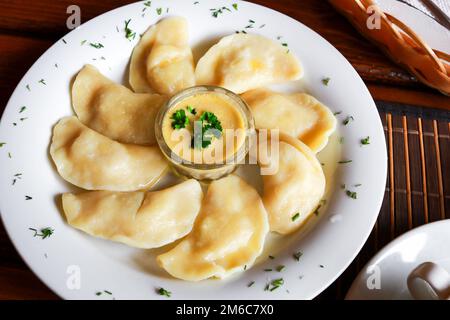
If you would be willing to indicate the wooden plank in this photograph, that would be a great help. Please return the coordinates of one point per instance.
(47, 19)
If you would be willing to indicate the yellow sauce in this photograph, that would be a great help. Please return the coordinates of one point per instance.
(222, 147)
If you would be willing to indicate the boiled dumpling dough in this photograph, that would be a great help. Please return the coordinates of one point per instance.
(299, 115)
(162, 61)
(113, 110)
(137, 219)
(242, 62)
(92, 161)
(296, 188)
(228, 235)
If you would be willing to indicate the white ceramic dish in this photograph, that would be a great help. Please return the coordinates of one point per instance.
(395, 262)
(330, 241)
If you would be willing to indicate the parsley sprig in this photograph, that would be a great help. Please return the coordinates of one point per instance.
(43, 233)
(180, 120)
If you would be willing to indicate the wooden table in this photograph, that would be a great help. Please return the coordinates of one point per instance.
(417, 135)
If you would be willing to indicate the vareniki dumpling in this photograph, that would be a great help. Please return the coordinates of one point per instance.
(242, 62)
(162, 61)
(299, 115)
(138, 219)
(227, 237)
(92, 161)
(294, 192)
(114, 110)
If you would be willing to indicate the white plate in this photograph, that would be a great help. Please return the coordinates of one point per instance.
(395, 262)
(329, 243)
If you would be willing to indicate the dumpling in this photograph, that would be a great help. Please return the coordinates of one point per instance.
(162, 61)
(114, 110)
(242, 62)
(299, 115)
(228, 235)
(138, 219)
(294, 192)
(91, 161)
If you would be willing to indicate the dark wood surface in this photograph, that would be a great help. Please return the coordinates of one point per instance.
(418, 189)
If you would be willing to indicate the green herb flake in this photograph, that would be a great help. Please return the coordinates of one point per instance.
(129, 34)
(2, 144)
(347, 120)
(357, 185)
(351, 194)
(280, 268)
(9, 155)
(180, 120)
(251, 283)
(268, 270)
(275, 284)
(216, 12)
(159, 11)
(164, 292)
(235, 6)
(191, 110)
(326, 81)
(83, 42)
(64, 41)
(337, 113)
(28, 87)
(28, 198)
(365, 141)
(148, 3)
(295, 216)
(271, 257)
(345, 161)
(98, 293)
(42, 81)
(297, 255)
(196, 2)
(44, 233)
(97, 45)
(107, 292)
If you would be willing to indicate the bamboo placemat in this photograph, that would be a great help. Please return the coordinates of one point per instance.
(418, 182)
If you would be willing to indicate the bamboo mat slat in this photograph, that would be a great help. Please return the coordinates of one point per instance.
(418, 181)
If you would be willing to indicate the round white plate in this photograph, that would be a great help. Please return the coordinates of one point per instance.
(384, 277)
(329, 243)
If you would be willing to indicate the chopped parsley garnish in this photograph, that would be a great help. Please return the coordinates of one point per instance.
(297, 255)
(351, 194)
(28, 87)
(343, 186)
(347, 120)
(164, 292)
(9, 155)
(345, 161)
(180, 120)
(274, 284)
(262, 26)
(280, 268)
(191, 110)
(245, 267)
(83, 42)
(365, 141)
(148, 3)
(97, 45)
(99, 293)
(271, 257)
(28, 198)
(235, 6)
(129, 34)
(295, 216)
(196, 2)
(2, 144)
(321, 266)
(159, 11)
(268, 270)
(42, 81)
(211, 127)
(64, 41)
(337, 113)
(250, 284)
(216, 12)
(284, 44)
(44, 233)
(357, 185)
(326, 81)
